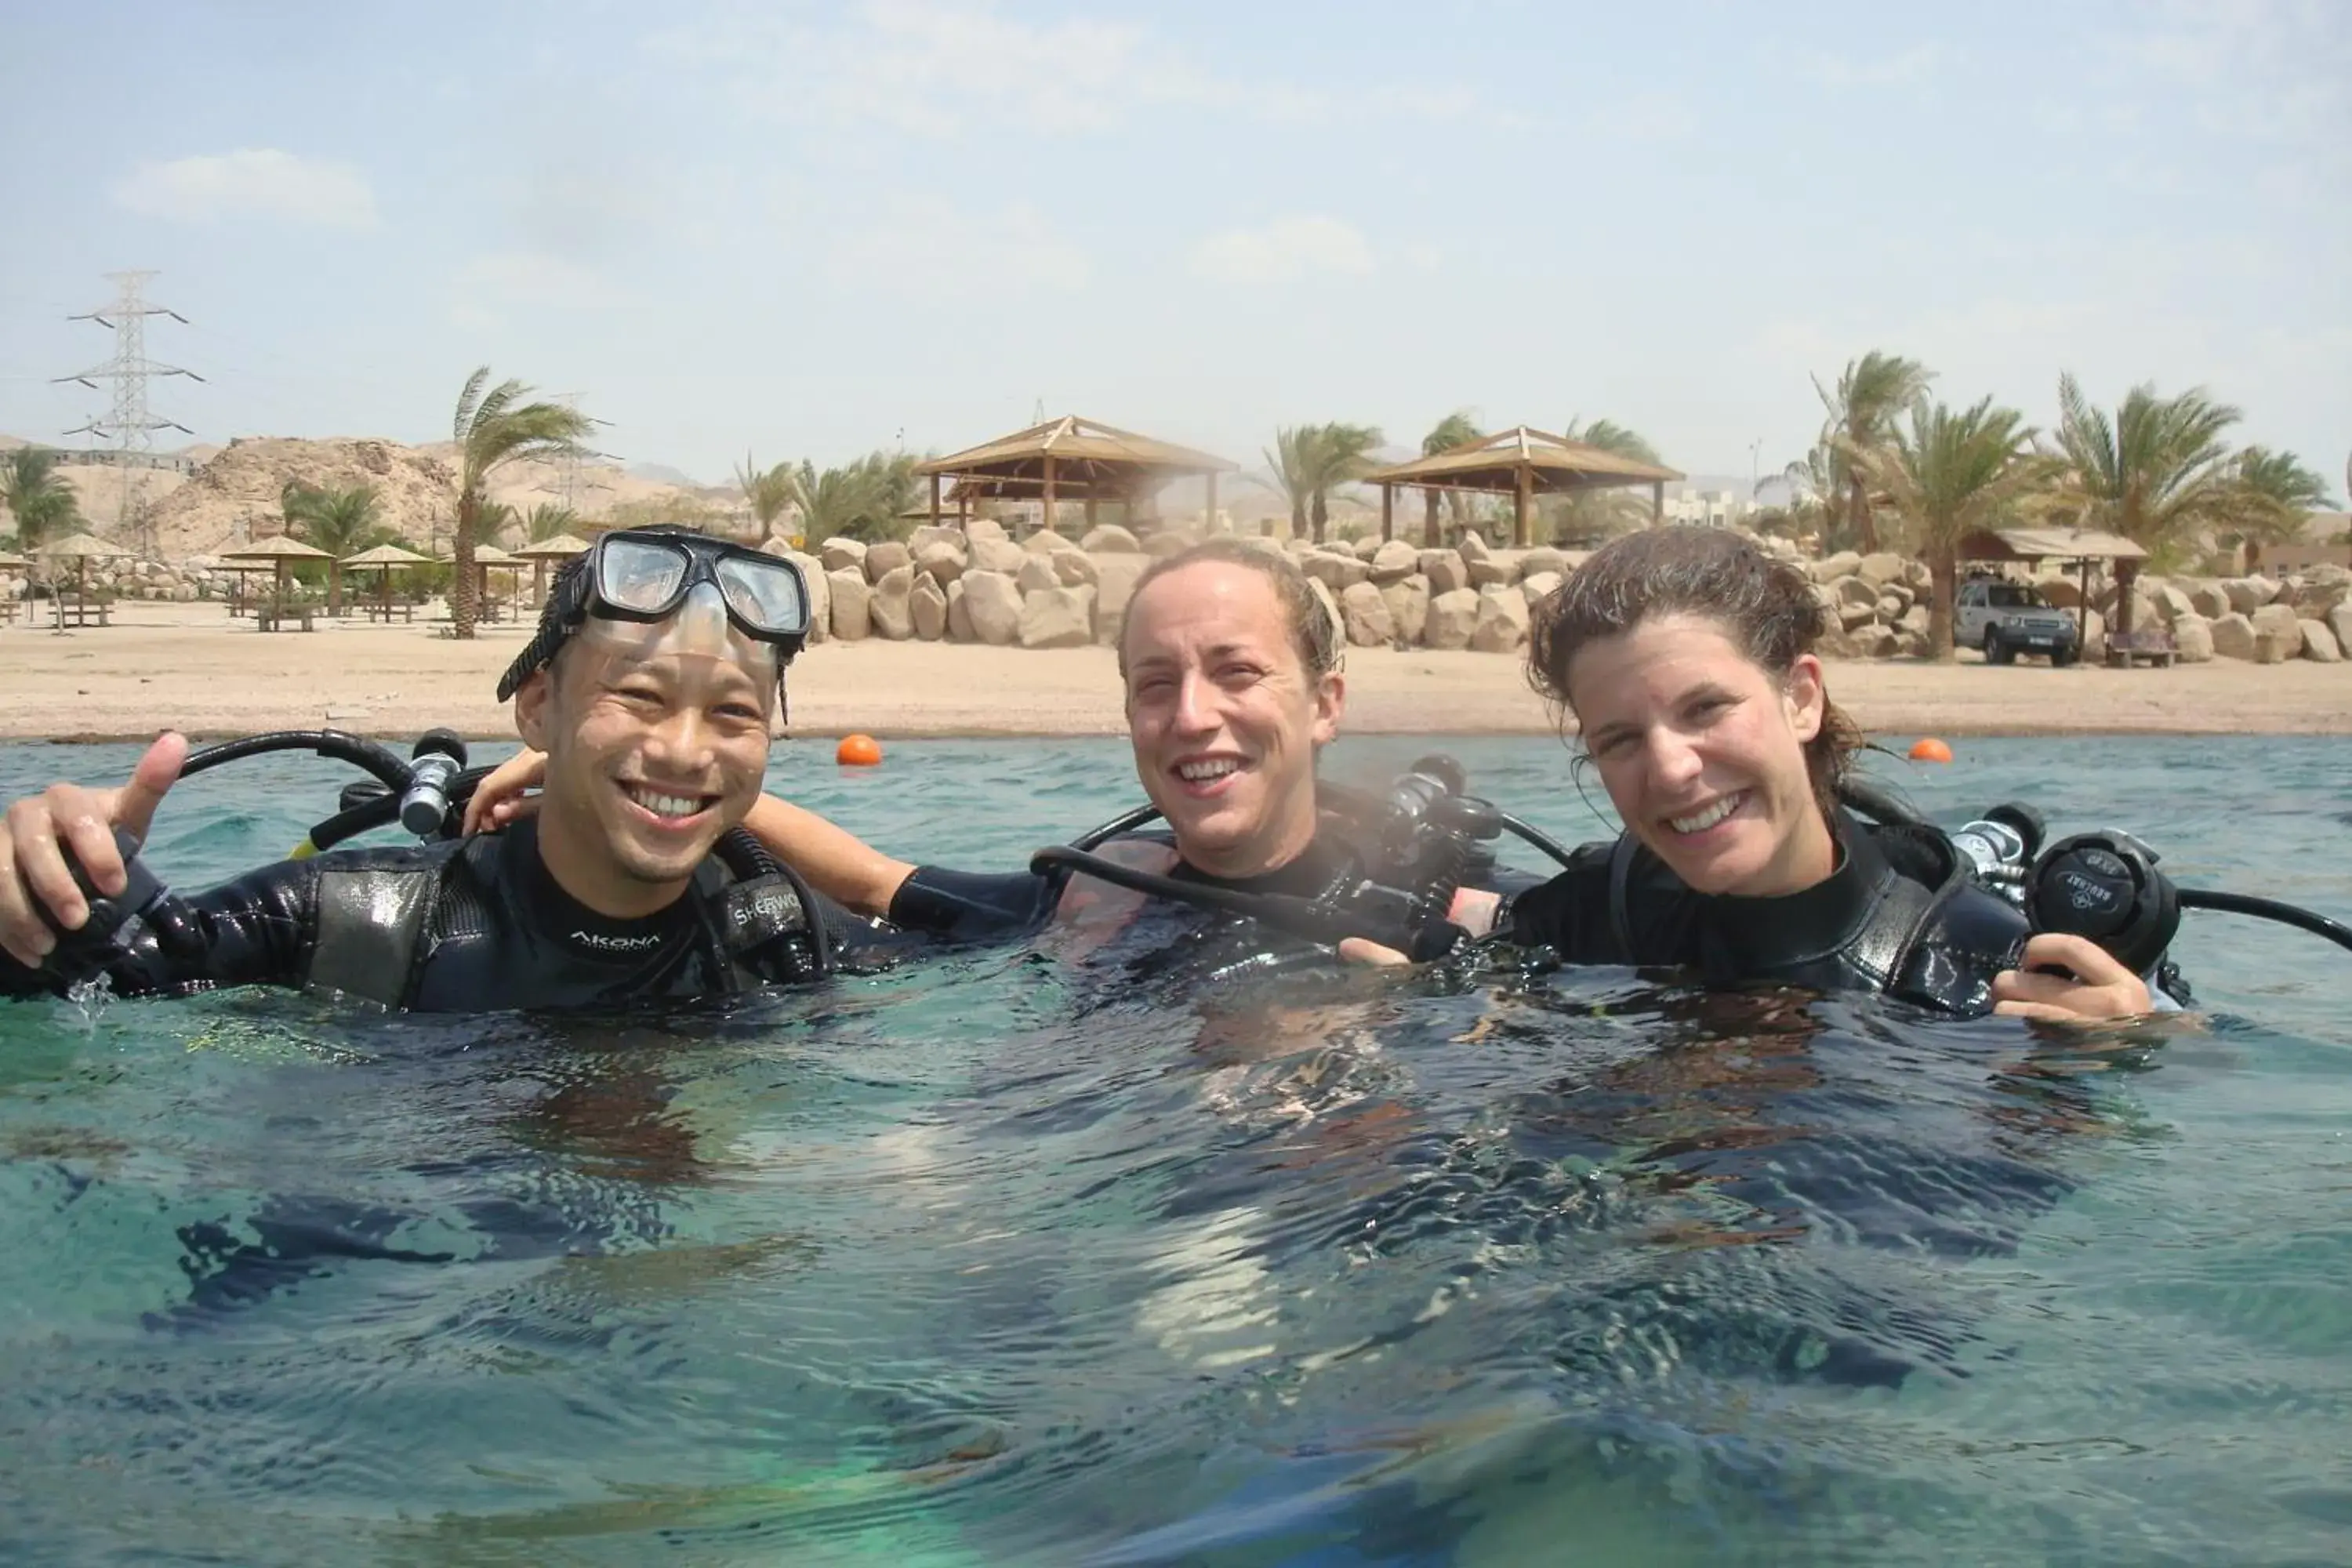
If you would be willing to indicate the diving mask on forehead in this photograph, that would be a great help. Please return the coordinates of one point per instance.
(645, 593)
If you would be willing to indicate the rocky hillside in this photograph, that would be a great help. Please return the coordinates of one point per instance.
(234, 493)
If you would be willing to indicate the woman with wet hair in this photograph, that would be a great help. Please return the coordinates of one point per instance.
(1685, 656)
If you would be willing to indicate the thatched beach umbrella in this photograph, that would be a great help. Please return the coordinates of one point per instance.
(562, 547)
(80, 549)
(383, 560)
(1522, 463)
(9, 563)
(280, 551)
(486, 556)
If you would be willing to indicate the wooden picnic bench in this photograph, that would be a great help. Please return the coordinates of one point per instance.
(81, 612)
(379, 611)
(280, 617)
(2153, 643)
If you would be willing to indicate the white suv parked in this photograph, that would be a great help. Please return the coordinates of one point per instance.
(2006, 619)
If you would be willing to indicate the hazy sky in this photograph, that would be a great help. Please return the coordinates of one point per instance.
(811, 230)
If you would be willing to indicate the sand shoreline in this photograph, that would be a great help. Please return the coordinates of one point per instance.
(189, 666)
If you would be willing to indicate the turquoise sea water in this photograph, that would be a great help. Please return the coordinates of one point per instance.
(997, 1261)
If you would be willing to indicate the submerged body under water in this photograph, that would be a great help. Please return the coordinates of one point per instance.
(1040, 1254)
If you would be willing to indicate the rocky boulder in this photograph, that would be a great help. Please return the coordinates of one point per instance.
(2247, 595)
(1115, 577)
(1445, 571)
(2320, 643)
(1880, 569)
(1057, 617)
(885, 558)
(1334, 571)
(846, 587)
(819, 592)
(1364, 613)
(995, 553)
(1501, 626)
(1830, 568)
(1473, 548)
(2233, 636)
(1045, 542)
(2339, 621)
(2278, 634)
(960, 626)
(2209, 601)
(1453, 617)
(1393, 562)
(993, 601)
(1107, 539)
(1537, 586)
(1037, 574)
(2192, 639)
(1159, 546)
(1408, 603)
(1075, 568)
(940, 561)
(887, 607)
(838, 552)
(927, 606)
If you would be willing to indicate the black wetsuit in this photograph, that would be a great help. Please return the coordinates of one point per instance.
(471, 926)
(1897, 917)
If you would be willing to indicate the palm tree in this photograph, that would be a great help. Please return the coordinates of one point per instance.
(45, 505)
(1339, 454)
(548, 520)
(861, 499)
(1871, 392)
(2276, 495)
(768, 491)
(1604, 514)
(340, 521)
(493, 430)
(2158, 473)
(1456, 429)
(1290, 470)
(1946, 475)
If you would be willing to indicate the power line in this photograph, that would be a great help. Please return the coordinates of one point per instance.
(131, 428)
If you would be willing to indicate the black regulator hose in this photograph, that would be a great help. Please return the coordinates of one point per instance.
(357, 750)
(2336, 932)
(1284, 911)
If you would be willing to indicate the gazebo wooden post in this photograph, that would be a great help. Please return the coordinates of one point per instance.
(1526, 477)
(963, 507)
(935, 500)
(2126, 573)
(1388, 513)
(2083, 609)
(1091, 511)
(1047, 516)
(1429, 535)
(1657, 502)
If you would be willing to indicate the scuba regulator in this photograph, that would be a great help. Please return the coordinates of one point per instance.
(2104, 885)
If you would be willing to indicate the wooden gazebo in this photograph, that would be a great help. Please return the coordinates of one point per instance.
(278, 551)
(1070, 458)
(1521, 463)
(383, 561)
(2031, 546)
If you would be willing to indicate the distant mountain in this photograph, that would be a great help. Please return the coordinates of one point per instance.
(663, 474)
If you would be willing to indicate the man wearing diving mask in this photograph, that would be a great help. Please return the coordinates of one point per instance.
(651, 685)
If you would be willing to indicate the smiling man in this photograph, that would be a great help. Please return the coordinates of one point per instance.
(650, 687)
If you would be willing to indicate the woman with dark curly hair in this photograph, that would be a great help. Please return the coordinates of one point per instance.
(1686, 656)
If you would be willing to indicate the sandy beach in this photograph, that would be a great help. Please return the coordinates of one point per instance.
(189, 667)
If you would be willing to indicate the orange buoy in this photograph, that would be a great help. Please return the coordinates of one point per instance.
(858, 752)
(1930, 749)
